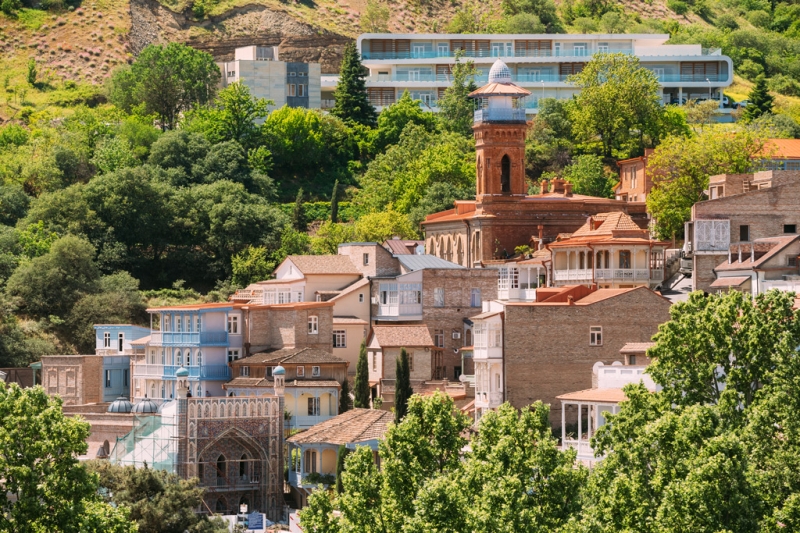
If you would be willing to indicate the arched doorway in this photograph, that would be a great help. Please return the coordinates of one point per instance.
(505, 174)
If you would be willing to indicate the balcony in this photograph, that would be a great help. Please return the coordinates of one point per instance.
(488, 53)
(583, 274)
(623, 274)
(412, 77)
(400, 311)
(499, 115)
(148, 370)
(189, 338)
(212, 372)
(584, 449)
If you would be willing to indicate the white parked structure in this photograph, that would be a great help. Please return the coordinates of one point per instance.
(422, 63)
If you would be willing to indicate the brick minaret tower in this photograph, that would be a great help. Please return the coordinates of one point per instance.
(499, 128)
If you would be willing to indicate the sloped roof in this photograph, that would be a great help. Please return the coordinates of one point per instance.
(615, 227)
(351, 288)
(419, 262)
(266, 383)
(783, 148)
(595, 396)
(637, 347)
(732, 281)
(298, 356)
(402, 246)
(349, 320)
(356, 425)
(402, 336)
(141, 341)
(323, 264)
(776, 245)
(499, 89)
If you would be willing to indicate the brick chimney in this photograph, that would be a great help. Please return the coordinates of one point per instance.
(545, 186)
(570, 300)
(567, 189)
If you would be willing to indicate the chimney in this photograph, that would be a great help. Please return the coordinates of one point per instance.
(545, 187)
(540, 227)
(570, 300)
(567, 189)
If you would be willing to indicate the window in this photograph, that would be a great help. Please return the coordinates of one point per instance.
(233, 355)
(791, 261)
(301, 90)
(310, 462)
(366, 259)
(631, 359)
(442, 50)
(595, 335)
(744, 233)
(456, 373)
(602, 48)
(624, 259)
(313, 325)
(292, 74)
(302, 74)
(475, 298)
(199, 358)
(315, 373)
(125, 377)
(579, 49)
(438, 338)
(244, 371)
(301, 371)
(790, 228)
(410, 361)
(299, 296)
(361, 297)
(339, 338)
(152, 359)
(106, 340)
(189, 323)
(178, 324)
(374, 362)
(188, 358)
(108, 379)
(231, 73)
(233, 324)
(199, 322)
(505, 174)
(438, 297)
(292, 89)
(495, 335)
(120, 341)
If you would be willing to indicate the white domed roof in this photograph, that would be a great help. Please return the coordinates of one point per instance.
(499, 73)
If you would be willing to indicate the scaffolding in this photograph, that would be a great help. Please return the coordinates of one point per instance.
(153, 441)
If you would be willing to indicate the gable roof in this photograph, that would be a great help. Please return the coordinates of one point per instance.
(402, 246)
(298, 356)
(356, 425)
(350, 288)
(323, 264)
(402, 336)
(636, 347)
(581, 295)
(773, 245)
(783, 148)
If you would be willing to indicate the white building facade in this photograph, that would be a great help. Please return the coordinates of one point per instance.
(540, 63)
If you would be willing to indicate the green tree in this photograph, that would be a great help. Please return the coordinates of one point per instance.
(233, 116)
(251, 265)
(394, 119)
(375, 18)
(345, 402)
(335, 202)
(46, 487)
(361, 383)
(166, 80)
(53, 283)
(523, 23)
(759, 101)
(329, 236)
(352, 103)
(545, 10)
(179, 150)
(402, 386)
(680, 168)
(604, 111)
(377, 227)
(360, 501)
(344, 451)
(317, 516)
(589, 177)
(439, 197)
(113, 153)
(299, 222)
(456, 108)
(32, 72)
(613, 22)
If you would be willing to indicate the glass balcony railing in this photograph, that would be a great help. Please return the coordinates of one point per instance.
(480, 78)
(189, 338)
(692, 78)
(432, 54)
(514, 114)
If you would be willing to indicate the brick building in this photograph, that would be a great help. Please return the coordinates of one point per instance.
(550, 346)
(634, 180)
(742, 208)
(503, 214)
(86, 379)
(383, 350)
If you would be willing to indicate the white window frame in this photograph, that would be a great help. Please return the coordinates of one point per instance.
(108, 379)
(244, 371)
(438, 338)
(301, 371)
(233, 355)
(473, 301)
(374, 361)
(438, 297)
(313, 325)
(443, 50)
(340, 338)
(292, 89)
(595, 335)
(365, 258)
(315, 372)
(233, 325)
(120, 342)
(107, 339)
(301, 90)
(314, 407)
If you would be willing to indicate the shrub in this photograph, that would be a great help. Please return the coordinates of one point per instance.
(759, 18)
(726, 21)
(750, 70)
(784, 85)
(679, 7)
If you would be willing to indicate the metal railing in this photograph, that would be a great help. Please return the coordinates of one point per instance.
(573, 274)
(490, 53)
(187, 338)
(514, 114)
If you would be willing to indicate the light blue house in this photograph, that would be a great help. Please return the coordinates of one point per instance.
(115, 339)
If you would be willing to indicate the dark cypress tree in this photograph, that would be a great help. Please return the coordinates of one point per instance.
(402, 387)
(345, 403)
(344, 451)
(352, 103)
(299, 214)
(361, 384)
(759, 101)
(335, 202)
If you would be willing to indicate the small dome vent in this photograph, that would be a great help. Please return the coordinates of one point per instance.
(145, 407)
(120, 405)
(278, 371)
(499, 73)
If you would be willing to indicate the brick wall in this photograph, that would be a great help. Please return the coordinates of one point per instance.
(76, 378)
(381, 262)
(547, 351)
(287, 327)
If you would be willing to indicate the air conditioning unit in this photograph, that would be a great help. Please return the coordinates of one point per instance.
(456, 334)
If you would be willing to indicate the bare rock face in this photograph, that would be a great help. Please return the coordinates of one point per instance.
(244, 26)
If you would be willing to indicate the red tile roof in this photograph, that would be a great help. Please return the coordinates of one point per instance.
(776, 244)
(323, 264)
(637, 347)
(356, 425)
(733, 281)
(499, 89)
(402, 336)
(595, 396)
(783, 148)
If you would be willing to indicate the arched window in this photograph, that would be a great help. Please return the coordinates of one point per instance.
(152, 390)
(581, 260)
(199, 358)
(505, 174)
(221, 466)
(220, 506)
(201, 470)
(188, 358)
(243, 466)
